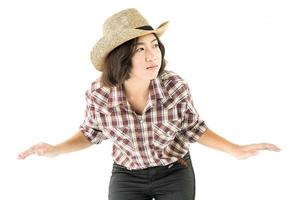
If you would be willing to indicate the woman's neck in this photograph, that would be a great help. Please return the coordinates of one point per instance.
(136, 89)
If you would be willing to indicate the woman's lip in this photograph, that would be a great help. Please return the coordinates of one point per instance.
(150, 67)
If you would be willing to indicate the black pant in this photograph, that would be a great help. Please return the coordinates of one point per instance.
(172, 182)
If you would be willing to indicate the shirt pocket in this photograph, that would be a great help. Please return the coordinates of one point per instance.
(164, 133)
(121, 138)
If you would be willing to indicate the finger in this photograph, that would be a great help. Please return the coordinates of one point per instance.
(25, 154)
(265, 146)
(272, 147)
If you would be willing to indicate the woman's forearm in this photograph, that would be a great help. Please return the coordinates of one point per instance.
(75, 143)
(212, 140)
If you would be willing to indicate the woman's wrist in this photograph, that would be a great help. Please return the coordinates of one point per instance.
(233, 150)
(57, 149)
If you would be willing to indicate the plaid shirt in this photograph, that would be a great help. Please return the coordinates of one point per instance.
(160, 136)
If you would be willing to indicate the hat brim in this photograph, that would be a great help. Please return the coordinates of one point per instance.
(106, 44)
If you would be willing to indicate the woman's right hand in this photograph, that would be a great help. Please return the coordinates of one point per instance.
(40, 149)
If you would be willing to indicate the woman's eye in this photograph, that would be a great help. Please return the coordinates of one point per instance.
(156, 45)
(139, 49)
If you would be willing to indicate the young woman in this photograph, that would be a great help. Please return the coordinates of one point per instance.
(146, 111)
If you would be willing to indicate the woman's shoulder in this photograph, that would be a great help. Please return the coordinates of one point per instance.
(173, 78)
(174, 83)
(97, 91)
(97, 86)
(169, 75)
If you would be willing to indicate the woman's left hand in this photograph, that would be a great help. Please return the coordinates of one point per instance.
(245, 151)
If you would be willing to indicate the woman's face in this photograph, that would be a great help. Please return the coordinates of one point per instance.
(146, 59)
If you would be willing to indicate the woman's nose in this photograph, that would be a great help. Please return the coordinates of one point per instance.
(150, 55)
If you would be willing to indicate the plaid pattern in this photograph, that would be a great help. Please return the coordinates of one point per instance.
(160, 136)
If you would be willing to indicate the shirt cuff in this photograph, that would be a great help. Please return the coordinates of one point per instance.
(93, 135)
(195, 133)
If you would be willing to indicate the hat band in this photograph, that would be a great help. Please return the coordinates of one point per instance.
(145, 27)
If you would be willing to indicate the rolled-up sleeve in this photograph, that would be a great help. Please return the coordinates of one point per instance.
(90, 125)
(193, 125)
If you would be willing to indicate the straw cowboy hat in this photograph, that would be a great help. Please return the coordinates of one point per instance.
(119, 28)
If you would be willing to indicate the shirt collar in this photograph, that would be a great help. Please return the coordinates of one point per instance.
(156, 90)
(116, 96)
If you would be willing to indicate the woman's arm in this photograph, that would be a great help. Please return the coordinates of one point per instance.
(212, 140)
(75, 143)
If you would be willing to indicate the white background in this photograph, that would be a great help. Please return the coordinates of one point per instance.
(240, 58)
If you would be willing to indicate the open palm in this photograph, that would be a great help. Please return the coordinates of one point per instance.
(245, 151)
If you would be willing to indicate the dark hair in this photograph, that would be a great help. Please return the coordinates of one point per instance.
(118, 63)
